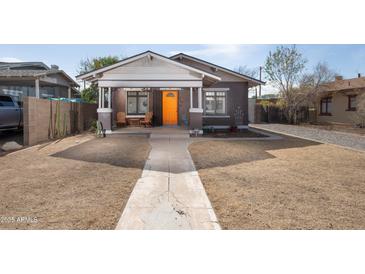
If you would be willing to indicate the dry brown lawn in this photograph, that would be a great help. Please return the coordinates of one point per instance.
(80, 182)
(283, 184)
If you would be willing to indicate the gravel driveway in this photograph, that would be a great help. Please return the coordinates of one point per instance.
(320, 135)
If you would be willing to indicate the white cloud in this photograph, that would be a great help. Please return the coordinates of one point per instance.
(228, 51)
(10, 59)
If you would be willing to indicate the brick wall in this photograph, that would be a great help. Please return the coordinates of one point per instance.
(39, 118)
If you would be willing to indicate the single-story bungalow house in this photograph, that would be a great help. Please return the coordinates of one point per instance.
(179, 91)
(35, 79)
(338, 100)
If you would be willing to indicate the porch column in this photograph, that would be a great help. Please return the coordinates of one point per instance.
(196, 114)
(69, 92)
(99, 97)
(109, 97)
(105, 113)
(102, 98)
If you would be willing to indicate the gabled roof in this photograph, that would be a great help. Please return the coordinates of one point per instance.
(90, 74)
(235, 73)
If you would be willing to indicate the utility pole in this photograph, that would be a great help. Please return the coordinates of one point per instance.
(260, 80)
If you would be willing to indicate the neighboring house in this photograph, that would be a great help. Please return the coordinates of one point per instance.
(337, 103)
(35, 79)
(179, 91)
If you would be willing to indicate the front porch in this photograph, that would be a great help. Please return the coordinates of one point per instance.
(169, 107)
(172, 107)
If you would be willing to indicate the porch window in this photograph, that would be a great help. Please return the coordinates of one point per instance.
(326, 106)
(137, 102)
(215, 102)
(351, 106)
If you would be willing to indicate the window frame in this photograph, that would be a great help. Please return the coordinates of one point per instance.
(349, 107)
(215, 100)
(327, 101)
(137, 96)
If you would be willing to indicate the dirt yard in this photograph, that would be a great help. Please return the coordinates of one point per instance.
(282, 184)
(80, 182)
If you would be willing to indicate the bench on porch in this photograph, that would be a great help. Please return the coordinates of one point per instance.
(123, 120)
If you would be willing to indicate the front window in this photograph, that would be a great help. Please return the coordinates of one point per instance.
(215, 103)
(137, 102)
(351, 103)
(326, 105)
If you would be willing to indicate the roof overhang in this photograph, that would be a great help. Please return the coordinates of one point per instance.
(253, 82)
(64, 74)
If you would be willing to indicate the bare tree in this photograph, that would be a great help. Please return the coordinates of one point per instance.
(311, 83)
(283, 69)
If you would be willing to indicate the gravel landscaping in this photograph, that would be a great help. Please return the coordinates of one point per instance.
(80, 182)
(290, 183)
(350, 140)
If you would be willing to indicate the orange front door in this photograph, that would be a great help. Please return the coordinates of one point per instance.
(169, 107)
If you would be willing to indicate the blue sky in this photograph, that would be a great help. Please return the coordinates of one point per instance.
(346, 60)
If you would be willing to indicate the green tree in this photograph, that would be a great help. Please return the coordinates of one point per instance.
(283, 69)
(90, 94)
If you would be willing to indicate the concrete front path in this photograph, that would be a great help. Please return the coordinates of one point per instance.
(169, 195)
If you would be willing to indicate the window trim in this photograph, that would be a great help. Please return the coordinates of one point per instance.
(137, 103)
(215, 114)
(349, 108)
(321, 110)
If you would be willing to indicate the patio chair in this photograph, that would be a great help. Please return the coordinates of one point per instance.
(121, 119)
(147, 121)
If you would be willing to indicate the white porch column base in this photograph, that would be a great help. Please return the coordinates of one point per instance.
(104, 110)
(196, 121)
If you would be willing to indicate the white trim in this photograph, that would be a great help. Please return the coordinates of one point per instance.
(149, 54)
(196, 110)
(104, 110)
(150, 83)
(172, 89)
(216, 89)
(217, 116)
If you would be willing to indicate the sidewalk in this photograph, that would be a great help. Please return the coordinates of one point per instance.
(169, 195)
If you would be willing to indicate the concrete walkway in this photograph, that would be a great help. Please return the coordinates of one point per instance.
(169, 195)
(349, 140)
